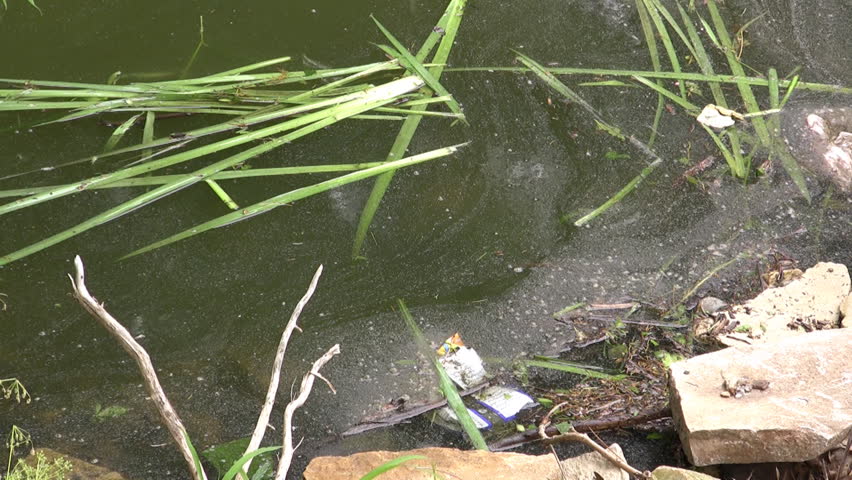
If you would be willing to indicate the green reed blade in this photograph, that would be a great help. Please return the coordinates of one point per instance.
(449, 22)
(444, 382)
(651, 42)
(620, 195)
(390, 465)
(687, 42)
(222, 194)
(663, 32)
(119, 132)
(416, 67)
(387, 92)
(701, 56)
(294, 195)
(685, 104)
(148, 132)
(698, 77)
(790, 88)
(224, 175)
(567, 367)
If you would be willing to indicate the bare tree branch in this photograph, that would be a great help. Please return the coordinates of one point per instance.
(266, 410)
(143, 361)
(304, 391)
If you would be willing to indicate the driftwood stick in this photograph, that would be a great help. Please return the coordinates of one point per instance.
(304, 391)
(143, 361)
(266, 410)
(409, 411)
(574, 436)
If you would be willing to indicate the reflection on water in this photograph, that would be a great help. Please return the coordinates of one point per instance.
(473, 242)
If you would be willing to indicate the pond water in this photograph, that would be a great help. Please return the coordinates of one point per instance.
(473, 242)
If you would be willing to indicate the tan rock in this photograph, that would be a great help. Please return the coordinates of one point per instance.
(464, 465)
(791, 400)
(672, 473)
(846, 312)
(80, 469)
(807, 304)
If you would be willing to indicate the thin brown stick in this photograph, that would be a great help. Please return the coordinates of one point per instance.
(304, 391)
(272, 391)
(574, 436)
(143, 361)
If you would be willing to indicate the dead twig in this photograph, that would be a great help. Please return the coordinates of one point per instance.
(272, 391)
(574, 436)
(143, 361)
(304, 391)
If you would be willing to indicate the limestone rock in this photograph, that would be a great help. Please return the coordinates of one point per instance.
(802, 408)
(80, 469)
(464, 465)
(846, 312)
(672, 473)
(808, 304)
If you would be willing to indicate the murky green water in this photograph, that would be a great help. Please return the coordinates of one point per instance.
(473, 242)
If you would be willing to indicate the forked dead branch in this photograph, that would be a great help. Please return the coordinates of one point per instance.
(168, 414)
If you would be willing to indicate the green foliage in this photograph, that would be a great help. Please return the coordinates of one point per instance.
(13, 388)
(58, 469)
(225, 455)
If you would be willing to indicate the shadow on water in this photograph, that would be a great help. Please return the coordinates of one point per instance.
(473, 242)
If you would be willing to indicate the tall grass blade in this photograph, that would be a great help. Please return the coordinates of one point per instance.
(294, 195)
(390, 465)
(446, 384)
(651, 42)
(449, 23)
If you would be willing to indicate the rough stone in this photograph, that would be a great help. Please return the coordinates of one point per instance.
(672, 473)
(465, 465)
(846, 312)
(808, 304)
(80, 469)
(803, 408)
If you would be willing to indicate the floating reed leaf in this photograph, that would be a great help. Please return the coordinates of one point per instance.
(294, 195)
(444, 382)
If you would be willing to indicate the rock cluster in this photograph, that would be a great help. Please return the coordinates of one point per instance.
(783, 391)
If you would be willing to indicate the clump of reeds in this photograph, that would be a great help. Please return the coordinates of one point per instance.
(740, 144)
(253, 112)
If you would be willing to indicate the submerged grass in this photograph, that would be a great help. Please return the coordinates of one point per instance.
(261, 111)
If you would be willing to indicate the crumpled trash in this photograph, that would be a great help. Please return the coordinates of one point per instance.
(464, 366)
